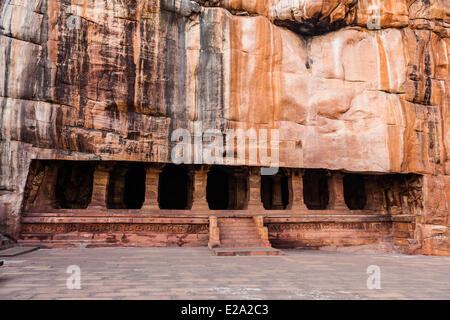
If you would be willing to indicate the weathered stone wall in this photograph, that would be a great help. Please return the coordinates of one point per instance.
(111, 80)
(432, 226)
(130, 229)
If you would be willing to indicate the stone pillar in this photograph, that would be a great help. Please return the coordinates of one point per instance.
(277, 196)
(374, 195)
(117, 187)
(238, 190)
(336, 192)
(232, 191)
(298, 202)
(46, 199)
(214, 233)
(100, 186)
(152, 187)
(199, 178)
(254, 190)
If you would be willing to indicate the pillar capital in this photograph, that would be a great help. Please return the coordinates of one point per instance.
(336, 174)
(201, 168)
(154, 168)
(104, 166)
(298, 172)
(336, 191)
(254, 171)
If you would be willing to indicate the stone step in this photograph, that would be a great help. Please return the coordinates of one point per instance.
(234, 219)
(239, 230)
(243, 245)
(249, 221)
(232, 224)
(237, 225)
(248, 251)
(253, 233)
(240, 240)
(239, 236)
(236, 222)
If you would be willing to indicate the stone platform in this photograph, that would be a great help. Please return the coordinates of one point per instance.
(299, 229)
(247, 251)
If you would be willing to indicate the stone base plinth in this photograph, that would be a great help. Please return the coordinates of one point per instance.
(187, 228)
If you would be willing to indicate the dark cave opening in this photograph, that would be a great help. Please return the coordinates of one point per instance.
(126, 188)
(354, 191)
(217, 189)
(173, 188)
(315, 189)
(275, 192)
(134, 192)
(74, 185)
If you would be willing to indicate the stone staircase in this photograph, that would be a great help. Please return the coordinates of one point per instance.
(236, 236)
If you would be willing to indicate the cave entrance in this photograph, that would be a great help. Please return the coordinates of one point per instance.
(134, 193)
(275, 191)
(226, 188)
(174, 184)
(315, 189)
(126, 189)
(74, 185)
(355, 191)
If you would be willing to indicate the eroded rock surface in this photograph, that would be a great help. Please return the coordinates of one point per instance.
(361, 86)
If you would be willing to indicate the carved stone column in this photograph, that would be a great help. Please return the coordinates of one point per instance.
(336, 192)
(152, 187)
(214, 233)
(298, 202)
(232, 191)
(262, 230)
(100, 186)
(238, 190)
(277, 196)
(374, 195)
(254, 192)
(199, 178)
(116, 187)
(46, 199)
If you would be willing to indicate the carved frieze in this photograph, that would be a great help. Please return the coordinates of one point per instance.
(54, 228)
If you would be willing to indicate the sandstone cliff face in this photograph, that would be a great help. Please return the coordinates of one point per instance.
(356, 85)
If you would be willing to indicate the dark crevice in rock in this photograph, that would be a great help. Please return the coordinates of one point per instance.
(312, 27)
